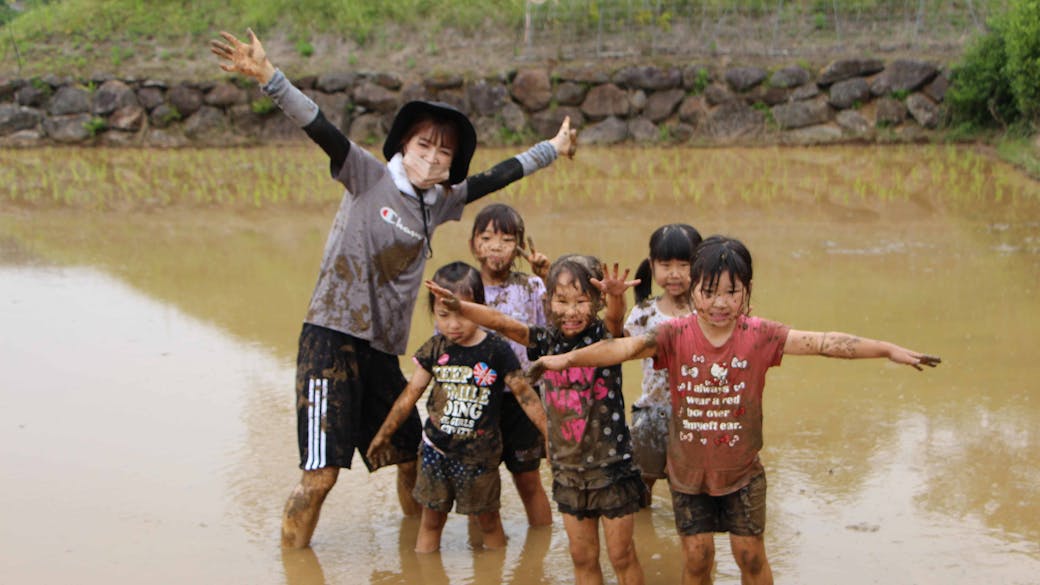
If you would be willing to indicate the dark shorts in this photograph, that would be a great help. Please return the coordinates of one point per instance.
(523, 446)
(742, 512)
(442, 481)
(620, 497)
(344, 390)
(650, 439)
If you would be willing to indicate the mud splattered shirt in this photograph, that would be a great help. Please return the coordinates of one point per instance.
(374, 257)
(465, 402)
(521, 297)
(642, 318)
(589, 442)
(716, 427)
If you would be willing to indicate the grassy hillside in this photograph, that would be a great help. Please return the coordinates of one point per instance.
(139, 37)
(151, 38)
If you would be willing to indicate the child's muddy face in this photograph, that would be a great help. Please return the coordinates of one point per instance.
(719, 307)
(495, 250)
(570, 308)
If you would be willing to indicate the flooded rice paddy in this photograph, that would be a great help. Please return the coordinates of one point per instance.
(150, 303)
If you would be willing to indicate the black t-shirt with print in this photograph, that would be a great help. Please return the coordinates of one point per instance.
(465, 403)
(589, 441)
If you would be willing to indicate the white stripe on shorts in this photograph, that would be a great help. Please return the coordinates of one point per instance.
(317, 406)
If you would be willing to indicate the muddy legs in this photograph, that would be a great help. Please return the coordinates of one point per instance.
(304, 505)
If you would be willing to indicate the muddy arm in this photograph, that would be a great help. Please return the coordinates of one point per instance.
(846, 346)
(378, 449)
(482, 315)
(528, 399)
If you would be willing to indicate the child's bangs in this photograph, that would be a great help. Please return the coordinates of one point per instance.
(501, 218)
(675, 245)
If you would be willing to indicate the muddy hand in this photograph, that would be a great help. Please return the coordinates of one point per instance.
(926, 360)
(546, 362)
(539, 262)
(612, 284)
(378, 455)
(451, 302)
(247, 59)
(534, 373)
(566, 140)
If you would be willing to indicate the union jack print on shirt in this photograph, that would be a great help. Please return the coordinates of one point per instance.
(483, 375)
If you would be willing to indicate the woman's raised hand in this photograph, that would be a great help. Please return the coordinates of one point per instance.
(247, 59)
(566, 140)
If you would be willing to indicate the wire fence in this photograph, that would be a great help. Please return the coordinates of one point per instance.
(747, 28)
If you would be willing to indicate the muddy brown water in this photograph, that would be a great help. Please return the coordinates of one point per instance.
(147, 357)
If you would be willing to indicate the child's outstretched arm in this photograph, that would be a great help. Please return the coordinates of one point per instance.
(844, 345)
(528, 400)
(613, 288)
(482, 315)
(378, 449)
(608, 352)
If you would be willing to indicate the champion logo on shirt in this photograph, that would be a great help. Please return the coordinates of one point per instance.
(390, 216)
(483, 375)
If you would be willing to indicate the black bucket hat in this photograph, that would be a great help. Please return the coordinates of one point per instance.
(412, 111)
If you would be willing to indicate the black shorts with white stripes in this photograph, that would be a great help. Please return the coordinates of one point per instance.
(344, 390)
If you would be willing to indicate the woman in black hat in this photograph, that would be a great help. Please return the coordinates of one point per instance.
(347, 374)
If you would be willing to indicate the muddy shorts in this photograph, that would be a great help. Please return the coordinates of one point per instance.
(442, 481)
(621, 497)
(523, 446)
(650, 439)
(742, 512)
(344, 390)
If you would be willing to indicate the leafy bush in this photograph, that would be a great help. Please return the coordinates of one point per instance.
(998, 79)
(1022, 40)
(979, 93)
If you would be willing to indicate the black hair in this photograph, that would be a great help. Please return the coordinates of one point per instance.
(583, 268)
(675, 241)
(444, 130)
(461, 279)
(719, 254)
(502, 218)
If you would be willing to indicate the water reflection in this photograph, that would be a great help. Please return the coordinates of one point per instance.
(161, 342)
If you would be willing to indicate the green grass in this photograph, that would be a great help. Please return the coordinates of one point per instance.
(1021, 152)
(96, 20)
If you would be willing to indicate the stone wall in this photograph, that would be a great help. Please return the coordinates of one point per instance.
(847, 100)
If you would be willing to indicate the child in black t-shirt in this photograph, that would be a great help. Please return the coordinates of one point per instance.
(462, 444)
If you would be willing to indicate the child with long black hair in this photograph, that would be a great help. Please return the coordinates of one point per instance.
(717, 359)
